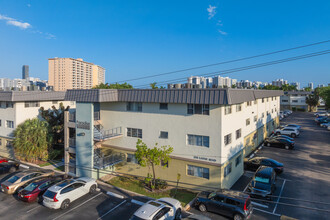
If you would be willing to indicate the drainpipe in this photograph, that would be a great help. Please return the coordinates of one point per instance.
(66, 143)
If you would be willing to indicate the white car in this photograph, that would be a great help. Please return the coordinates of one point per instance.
(325, 125)
(318, 114)
(63, 193)
(329, 128)
(292, 126)
(293, 132)
(161, 209)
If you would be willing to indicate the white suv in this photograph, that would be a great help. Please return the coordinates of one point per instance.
(62, 194)
(290, 131)
(161, 209)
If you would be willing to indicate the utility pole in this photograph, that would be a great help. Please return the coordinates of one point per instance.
(66, 143)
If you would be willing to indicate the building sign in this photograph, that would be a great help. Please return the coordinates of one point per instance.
(205, 158)
(83, 125)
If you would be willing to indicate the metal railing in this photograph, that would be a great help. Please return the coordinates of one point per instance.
(105, 134)
(72, 142)
(96, 116)
(106, 161)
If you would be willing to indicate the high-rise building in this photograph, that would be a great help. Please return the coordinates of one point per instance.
(25, 71)
(69, 73)
(279, 82)
(297, 84)
(311, 85)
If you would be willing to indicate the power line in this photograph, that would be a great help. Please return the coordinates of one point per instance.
(254, 66)
(226, 62)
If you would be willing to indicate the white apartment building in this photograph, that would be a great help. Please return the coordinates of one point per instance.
(18, 106)
(211, 130)
(293, 100)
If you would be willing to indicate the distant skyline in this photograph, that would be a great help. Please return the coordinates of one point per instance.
(144, 38)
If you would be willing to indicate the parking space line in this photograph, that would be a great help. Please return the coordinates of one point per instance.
(112, 209)
(267, 212)
(77, 206)
(259, 204)
(33, 209)
(279, 196)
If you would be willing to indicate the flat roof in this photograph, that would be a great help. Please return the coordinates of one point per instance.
(215, 96)
(21, 96)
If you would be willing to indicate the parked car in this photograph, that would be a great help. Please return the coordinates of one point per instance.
(233, 204)
(320, 118)
(283, 136)
(20, 180)
(288, 112)
(318, 114)
(60, 195)
(325, 125)
(323, 120)
(35, 190)
(288, 131)
(8, 167)
(3, 160)
(292, 126)
(253, 164)
(279, 142)
(328, 128)
(263, 183)
(164, 208)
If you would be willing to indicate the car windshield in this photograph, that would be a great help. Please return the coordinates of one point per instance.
(261, 179)
(13, 179)
(31, 187)
(50, 194)
(274, 162)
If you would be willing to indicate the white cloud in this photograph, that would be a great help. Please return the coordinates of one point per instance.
(14, 22)
(211, 11)
(29, 5)
(222, 32)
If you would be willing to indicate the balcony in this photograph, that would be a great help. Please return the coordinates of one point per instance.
(96, 116)
(72, 117)
(102, 162)
(102, 135)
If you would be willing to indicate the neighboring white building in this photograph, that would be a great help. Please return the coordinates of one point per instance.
(311, 85)
(18, 106)
(297, 84)
(279, 82)
(211, 130)
(292, 100)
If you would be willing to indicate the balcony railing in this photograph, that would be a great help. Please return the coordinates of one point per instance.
(96, 116)
(72, 117)
(100, 135)
(72, 142)
(102, 162)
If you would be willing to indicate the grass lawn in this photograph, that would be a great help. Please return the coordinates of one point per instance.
(60, 168)
(45, 164)
(135, 185)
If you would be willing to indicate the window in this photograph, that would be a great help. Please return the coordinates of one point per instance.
(238, 160)
(262, 115)
(272, 110)
(199, 109)
(198, 140)
(249, 103)
(198, 171)
(255, 102)
(267, 100)
(255, 118)
(219, 198)
(0, 141)
(262, 100)
(238, 108)
(9, 143)
(54, 102)
(232, 202)
(267, 112)
(163, 134)
(238, 133)
(272, 98)
(134, 106)
(227, 170)
(227, 109)
(32, 104)
(227, 139)
(163, 164)
(9, 104)
(285, 100)
(294, 100)
(247, 122)
(163, 106)
(131, 158)
(134, 132)
(9, 124)
(0, 123)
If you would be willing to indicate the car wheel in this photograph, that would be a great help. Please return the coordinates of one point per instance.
(12, 169)
(65, 204)
(287, 147)
(178, 214)
(293, 135)
(268, 144)
(92, 189)
(202, 207)
(238, 217)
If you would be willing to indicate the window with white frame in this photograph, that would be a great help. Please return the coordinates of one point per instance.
(131, 159)
(262, 100)
(9, 124)
(227, 109)
(262, 115)
(31, 104)
(134, 132)
(238, 133)
(227, 169)
(198, 140)
(238, 108)
(227, 139)
(9, 105)
(255, 118)
(163, 135)
(198, 171)
(247, 122)
(134, 106)
(198, 109)
(238, 160)
(249, 103)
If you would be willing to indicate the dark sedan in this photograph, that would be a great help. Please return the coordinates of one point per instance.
(9, 167)
(254, 163)
(35, 190)
(263, 183)
(279, 142)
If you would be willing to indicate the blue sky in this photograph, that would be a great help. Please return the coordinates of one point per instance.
(137, 38)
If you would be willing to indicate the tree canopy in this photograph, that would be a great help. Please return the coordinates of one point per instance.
(325, 95)
(154, 86)
(113, 86)
(32, 140)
